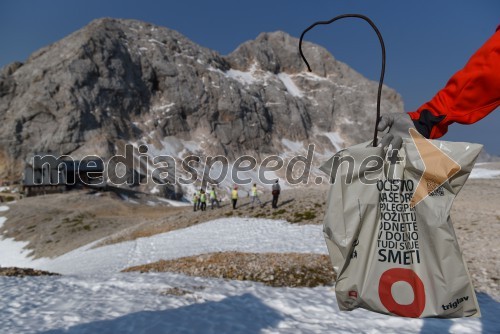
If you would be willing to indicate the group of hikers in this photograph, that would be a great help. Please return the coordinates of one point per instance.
(201, 197)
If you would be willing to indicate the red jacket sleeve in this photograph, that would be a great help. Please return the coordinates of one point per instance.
(470, 94)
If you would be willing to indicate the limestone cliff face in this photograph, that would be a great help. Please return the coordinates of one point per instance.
(121, 81)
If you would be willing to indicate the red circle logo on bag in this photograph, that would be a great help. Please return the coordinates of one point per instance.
(391, 276)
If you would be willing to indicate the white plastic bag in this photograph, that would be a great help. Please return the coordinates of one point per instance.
(390, 257)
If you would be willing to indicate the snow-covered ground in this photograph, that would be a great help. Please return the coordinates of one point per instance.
(483, 173)
(245, 235)
(137, 303)
(93, 297)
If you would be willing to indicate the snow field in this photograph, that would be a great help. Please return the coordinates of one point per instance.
(93, 297)
(138, 303)
(244, 235)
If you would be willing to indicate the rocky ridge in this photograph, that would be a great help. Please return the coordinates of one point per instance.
(116, 82)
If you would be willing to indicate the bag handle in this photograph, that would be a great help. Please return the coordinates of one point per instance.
(381, 80)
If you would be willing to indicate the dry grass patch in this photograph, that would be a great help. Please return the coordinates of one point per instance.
(22, 272)
(273, 269)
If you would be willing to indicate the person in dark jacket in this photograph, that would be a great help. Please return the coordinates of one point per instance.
(276, 189)
(203, 200)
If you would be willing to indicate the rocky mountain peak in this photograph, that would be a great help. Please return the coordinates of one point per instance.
(274, 52)
(119, 81)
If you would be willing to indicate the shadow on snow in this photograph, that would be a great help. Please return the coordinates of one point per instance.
(235, 314)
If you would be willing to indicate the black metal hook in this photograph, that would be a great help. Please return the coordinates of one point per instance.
(382, 72)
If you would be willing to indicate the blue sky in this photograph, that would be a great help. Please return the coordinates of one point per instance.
(426, 41)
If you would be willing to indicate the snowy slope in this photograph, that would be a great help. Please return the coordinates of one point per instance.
(95, 298)
(135, 303)
(245, 235)
(483, 173)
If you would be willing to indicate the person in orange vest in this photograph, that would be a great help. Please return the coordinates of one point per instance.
(234, 196)
(470, 95)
